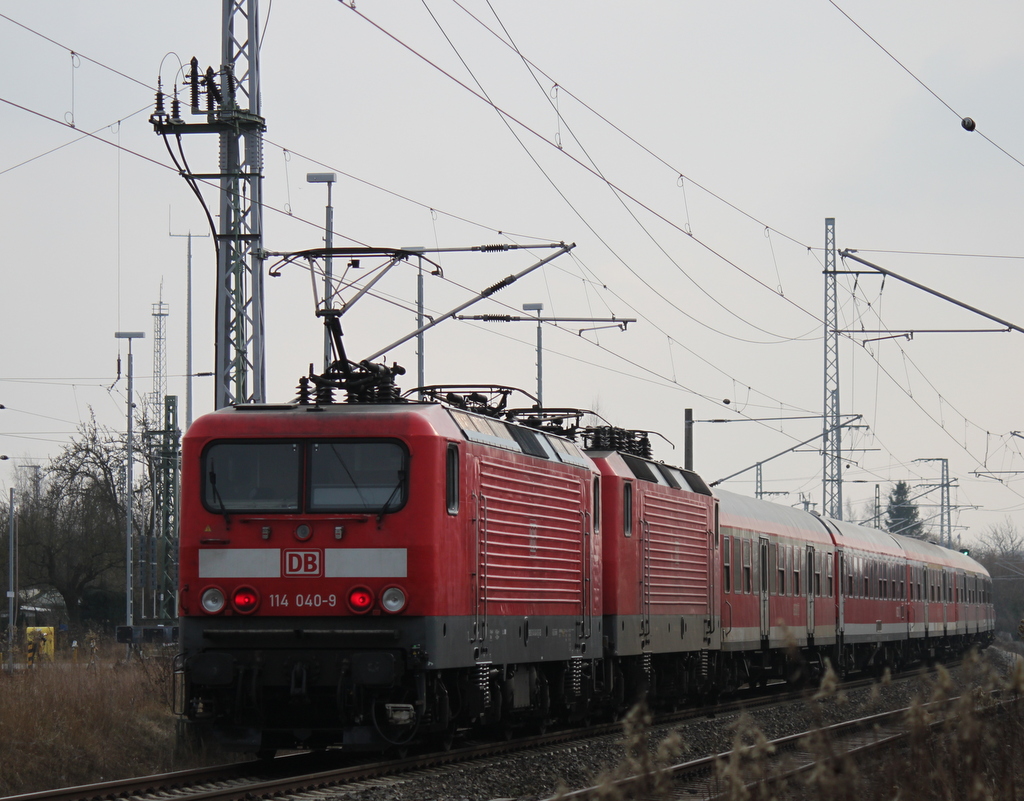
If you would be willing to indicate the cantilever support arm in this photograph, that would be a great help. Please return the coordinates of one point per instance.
(848, 254)
(485, 294)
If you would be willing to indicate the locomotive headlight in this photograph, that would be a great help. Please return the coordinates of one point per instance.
(393, 600)
(360, 600)
(245, 600)
(303, 532)
(213, 600)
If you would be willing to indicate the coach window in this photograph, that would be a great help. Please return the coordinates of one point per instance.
(796, 573)
(627, 508)
(773, 567)
(828, 573)
(357, 476)
(251, 476)
(451, 478)
(748, 579)
(817, 573)
(726, 564)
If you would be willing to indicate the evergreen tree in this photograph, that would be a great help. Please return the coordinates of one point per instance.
(901, 515)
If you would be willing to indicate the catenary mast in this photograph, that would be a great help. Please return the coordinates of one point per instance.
(232, 110)
(832, 445)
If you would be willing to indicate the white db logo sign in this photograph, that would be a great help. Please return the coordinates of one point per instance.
(302, 563)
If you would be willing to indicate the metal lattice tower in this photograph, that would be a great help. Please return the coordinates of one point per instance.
(832, 447)
(945, 505)
(233, 112)
(240, 367)
(241, 372)
(158, 563)
(156, 397)
(169, 459)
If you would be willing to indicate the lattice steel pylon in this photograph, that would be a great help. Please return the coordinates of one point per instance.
(233, 112)
(241, 371)
(168, 454)
(832, 446)
(156, 397)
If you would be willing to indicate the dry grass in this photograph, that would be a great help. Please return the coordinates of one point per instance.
(977, 754)
(65, 724)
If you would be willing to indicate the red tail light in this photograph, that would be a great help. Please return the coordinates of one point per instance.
(245, 600)
(360, 600)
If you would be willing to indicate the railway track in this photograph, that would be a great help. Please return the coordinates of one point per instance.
(766, 769)
(298, 774)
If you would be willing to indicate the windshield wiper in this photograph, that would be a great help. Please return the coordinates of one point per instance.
(218, 498)
(384, 509)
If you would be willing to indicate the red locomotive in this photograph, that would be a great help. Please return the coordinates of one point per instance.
(383, 571)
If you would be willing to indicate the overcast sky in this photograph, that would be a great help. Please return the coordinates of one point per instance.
(691, 151)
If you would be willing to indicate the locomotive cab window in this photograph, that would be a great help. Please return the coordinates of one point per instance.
(357, 476)
(627, 508)
(251, 477)
(451, 478)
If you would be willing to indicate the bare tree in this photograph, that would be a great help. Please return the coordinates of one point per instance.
(72, 525)
(1001, 550)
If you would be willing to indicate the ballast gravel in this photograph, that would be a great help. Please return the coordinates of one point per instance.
(535, 776)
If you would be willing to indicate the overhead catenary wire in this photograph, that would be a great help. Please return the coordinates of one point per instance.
(967, 123)
(607, 183)
(579, 163)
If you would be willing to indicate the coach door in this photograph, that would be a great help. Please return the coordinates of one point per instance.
(841, 590)
(809, 584)
(945, 600)
(763, 584)
(929, 596)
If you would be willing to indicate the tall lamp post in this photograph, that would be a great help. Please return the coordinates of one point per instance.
(129, 584)
(326, 178)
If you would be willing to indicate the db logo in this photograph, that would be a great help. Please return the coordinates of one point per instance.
(302, 563)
